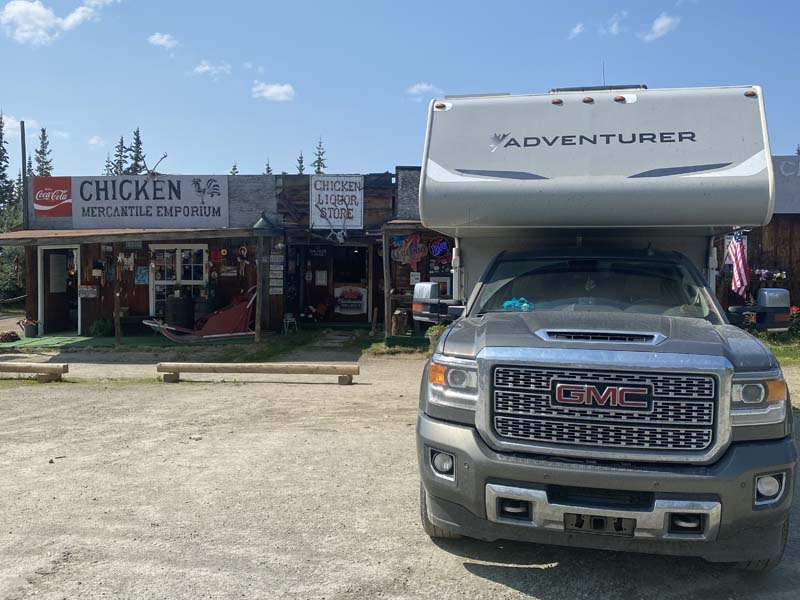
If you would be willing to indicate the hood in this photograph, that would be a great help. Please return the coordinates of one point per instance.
(682, 335)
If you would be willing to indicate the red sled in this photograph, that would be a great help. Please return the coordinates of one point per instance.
(227, 323)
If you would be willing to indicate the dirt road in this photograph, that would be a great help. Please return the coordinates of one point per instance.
(271, 489)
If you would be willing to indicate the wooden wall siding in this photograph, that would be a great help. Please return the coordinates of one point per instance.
(31, 283)
(379, 196)
(775, 247)
(137, 297)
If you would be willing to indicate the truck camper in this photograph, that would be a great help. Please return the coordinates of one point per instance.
(591, 390)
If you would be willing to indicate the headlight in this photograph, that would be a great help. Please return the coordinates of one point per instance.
(757, 402)
(453, 382)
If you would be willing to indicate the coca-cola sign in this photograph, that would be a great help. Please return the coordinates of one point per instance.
(52, 196)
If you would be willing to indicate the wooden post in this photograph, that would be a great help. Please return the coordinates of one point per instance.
(117, 292)
(387, 286)
(259, 285)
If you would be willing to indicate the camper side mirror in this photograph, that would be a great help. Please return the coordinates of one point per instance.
(771, 310)
(429, 307)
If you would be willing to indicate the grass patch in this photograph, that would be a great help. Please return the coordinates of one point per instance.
(381, 349)
(786, 351)
(273, 347)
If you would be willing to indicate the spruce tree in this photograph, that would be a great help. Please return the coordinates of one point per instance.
(120, 161)
(267, 168)
(797, 150)
(44, 164)
(301, 168)
(319, 158)
(29, 172)
(136, 155)
(108, 168)
(19, 192)
(6, 184)
(234, 169)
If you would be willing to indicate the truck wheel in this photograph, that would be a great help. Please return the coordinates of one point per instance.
(432, 530)
(766, 564)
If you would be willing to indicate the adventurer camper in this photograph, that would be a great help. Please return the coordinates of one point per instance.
(591, 390)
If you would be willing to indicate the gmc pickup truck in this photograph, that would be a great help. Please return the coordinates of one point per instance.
(592, 391)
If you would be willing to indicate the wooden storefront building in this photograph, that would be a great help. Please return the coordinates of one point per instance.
(96, 247)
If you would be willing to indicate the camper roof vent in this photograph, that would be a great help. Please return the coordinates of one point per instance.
(591, 336)
(599, 88)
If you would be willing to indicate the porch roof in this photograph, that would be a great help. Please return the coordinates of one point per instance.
(39, 237)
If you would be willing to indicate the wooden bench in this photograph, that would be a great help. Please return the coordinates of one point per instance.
(172, 371)
(45, 372)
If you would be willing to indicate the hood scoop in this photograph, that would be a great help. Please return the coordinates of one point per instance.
(600, 337)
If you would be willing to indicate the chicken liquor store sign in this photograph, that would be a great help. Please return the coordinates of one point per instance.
(141, 201)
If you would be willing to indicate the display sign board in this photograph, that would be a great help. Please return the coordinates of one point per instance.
(52, 196)
(350, 300)
(135, 201)
(88, 291)
(336, 202)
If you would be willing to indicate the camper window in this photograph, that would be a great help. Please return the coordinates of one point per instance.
(641, 286)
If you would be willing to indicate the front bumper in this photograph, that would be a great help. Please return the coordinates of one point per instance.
(735, 529)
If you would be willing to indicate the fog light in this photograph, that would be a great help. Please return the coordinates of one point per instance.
(768, 486)
(443, 463)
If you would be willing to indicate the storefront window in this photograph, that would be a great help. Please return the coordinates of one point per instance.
(173, 269)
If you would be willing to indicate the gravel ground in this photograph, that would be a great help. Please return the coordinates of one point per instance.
(272, 489)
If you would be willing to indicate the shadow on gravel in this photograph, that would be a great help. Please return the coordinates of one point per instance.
(555, 573)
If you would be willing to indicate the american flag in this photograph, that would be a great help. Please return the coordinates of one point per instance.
(737, 256)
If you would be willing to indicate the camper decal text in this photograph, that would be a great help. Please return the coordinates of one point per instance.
(506, 140)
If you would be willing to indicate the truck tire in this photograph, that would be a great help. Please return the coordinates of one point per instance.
(432, 530)
(766, 564)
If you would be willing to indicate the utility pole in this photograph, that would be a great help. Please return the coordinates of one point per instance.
(25, 199)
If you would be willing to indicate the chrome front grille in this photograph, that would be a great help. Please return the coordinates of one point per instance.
(682, 416)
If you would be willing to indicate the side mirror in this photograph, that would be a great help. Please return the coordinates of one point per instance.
(426, 306)
(429, 307)
(772, 311)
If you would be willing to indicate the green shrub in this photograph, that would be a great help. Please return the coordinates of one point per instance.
(102, 328)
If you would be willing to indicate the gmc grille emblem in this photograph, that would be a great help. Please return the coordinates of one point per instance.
(602, 395)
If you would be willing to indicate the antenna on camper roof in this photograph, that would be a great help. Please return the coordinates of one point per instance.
(603, 66)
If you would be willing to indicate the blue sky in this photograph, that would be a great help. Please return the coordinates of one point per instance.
(216, 83)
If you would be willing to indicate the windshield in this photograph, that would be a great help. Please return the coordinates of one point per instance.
(643, 286)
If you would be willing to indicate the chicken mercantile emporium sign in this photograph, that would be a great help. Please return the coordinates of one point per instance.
(135, 201)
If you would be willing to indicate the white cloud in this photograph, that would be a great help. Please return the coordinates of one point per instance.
(206, 67)
(96, 141)
(576, 31)
(249, 66)
(59, 133)
(277, 92)
(165, 40)
(31, 22)
(661, 26)
(614, 24)
(12, 126)
(421, 90)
